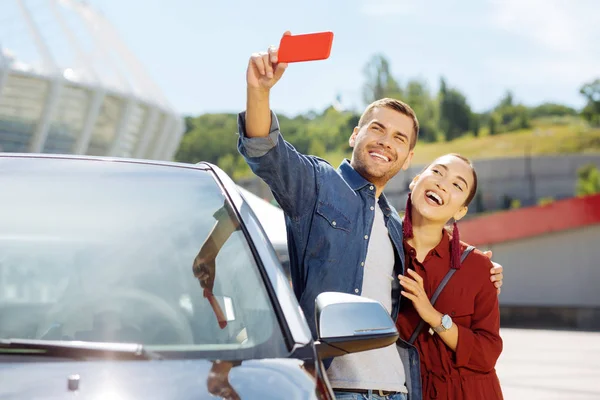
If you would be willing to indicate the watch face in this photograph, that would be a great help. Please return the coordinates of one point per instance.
(447, 322)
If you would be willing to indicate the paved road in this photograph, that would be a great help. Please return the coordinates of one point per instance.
(544, 365)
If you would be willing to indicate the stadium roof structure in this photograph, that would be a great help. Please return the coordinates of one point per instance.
(69, 84)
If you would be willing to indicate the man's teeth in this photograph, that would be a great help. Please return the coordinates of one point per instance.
(380, 156)
(434, 196)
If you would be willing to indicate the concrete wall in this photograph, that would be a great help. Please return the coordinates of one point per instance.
(555, 269)
(551, 281)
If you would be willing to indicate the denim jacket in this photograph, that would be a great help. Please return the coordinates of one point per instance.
(329, 214)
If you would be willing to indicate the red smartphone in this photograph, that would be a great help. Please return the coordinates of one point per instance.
(306, 47)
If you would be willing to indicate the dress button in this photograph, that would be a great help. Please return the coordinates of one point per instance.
(371, 187)
(366, 237)
(362, 264)
(413, 252)
(334, 223)
(372, 208)
(355, 290)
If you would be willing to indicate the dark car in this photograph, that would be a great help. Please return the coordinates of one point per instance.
(101, 296)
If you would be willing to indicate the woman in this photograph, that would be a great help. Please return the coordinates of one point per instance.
(459, 342)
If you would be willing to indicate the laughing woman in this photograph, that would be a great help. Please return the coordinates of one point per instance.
(458, 335)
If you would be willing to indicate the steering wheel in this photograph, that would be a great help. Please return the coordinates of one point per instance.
(69, 313)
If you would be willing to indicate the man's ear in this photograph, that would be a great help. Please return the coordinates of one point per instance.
(414, 181)
(408, 160)
(461, 213)
(352, 139)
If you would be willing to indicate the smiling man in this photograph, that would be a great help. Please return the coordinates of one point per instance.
(383, 141)
(343, 235)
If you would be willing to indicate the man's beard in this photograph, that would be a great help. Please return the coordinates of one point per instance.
(370, 172)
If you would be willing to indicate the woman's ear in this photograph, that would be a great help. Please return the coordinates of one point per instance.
(414, 182)
(461, 213)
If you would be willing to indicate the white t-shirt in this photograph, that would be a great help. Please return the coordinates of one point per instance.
(379, 369)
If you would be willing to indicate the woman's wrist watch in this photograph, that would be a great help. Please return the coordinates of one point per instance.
(445, 325)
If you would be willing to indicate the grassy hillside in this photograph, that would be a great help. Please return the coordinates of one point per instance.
(546, 137)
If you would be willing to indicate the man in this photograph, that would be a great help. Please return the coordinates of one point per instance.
(342, 233)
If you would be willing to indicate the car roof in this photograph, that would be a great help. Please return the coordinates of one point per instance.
(200, 165)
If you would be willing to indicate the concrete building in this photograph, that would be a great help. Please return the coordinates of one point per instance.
(551, 256)
(68, 84)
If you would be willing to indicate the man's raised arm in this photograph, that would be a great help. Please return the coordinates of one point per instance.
(291, 176)
(263, 72)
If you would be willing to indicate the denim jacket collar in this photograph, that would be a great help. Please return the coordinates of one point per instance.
(356, 181)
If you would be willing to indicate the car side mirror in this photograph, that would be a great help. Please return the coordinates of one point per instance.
(348, 324)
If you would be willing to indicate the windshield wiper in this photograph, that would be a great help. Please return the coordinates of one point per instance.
(76, 349)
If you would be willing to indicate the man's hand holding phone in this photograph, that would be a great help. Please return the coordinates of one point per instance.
(264, 70)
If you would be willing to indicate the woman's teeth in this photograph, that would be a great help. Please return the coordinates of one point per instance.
(434, 196)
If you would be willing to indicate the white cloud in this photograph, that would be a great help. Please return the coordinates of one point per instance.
(558, 25)
(564, 34)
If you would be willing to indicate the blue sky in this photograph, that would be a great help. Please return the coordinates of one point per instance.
(197, 50)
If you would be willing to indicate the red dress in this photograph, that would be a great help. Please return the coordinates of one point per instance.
(471, 300)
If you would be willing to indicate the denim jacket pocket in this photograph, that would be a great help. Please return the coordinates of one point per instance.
(334, 217)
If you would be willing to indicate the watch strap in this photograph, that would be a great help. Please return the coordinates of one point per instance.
(439, 328)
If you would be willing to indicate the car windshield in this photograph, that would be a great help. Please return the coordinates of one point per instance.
(108, 252)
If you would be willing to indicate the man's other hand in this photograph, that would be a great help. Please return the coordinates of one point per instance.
(496, 272)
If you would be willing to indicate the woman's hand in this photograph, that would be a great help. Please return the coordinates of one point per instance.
(414, 290)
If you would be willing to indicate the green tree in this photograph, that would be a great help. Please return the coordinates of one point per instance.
(552, 110)
(493, 124)
(189, 124)
(380, 83)
(455, 112)
(210, 136)
(475, 124)
(588, 180)
(591, 91)
(511, 116)
(317, 148)
(227, 164)
(417, 95)
(507, 100)
(379, 80)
